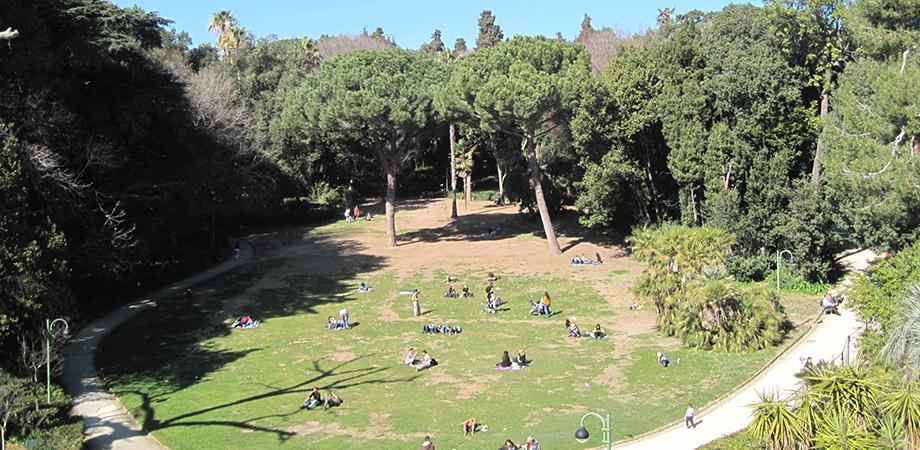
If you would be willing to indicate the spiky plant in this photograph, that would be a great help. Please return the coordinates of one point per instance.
(775, 423)
(902, 348)
(902, 406)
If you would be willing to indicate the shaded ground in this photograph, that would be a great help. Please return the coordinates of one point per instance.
(188, 379)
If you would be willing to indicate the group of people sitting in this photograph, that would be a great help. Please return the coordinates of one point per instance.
(354, 215)
(529, 444)
(464, 293)
(519, 362)
(584, 260)
(441, 329)
(245, 321)
(420, 364)
(573, 330)
(315, 399)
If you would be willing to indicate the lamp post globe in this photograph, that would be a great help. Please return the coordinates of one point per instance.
(581, 434)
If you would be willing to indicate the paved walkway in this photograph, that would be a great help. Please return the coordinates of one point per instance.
(825, 341)
(106, 423)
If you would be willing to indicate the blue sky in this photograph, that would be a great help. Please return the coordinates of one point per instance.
(411, 22)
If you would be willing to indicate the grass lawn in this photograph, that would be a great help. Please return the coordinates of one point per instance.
(196, 384)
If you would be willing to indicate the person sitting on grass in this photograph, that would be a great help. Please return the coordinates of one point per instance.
(521, 358)
(427, 361)
(509, 445)
(598, 331)
(634, 306)
(573, 329)
(505, 362)
(490, 289)
(363, 287)
(332, 401)
(426, 444)
(465, 292)
(469, 426)
(455, 329)
(451, 292)
(663, 360)
(410, 357)
(531, 444)
(597, 255)
(313, 400)
(492, 277)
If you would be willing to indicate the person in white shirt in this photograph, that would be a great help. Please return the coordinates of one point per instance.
(688, 416)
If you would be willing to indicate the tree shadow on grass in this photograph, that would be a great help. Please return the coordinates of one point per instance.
(336, 378)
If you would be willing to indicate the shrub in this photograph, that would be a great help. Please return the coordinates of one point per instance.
(696, 298)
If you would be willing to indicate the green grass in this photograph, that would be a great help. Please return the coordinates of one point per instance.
(196, 384)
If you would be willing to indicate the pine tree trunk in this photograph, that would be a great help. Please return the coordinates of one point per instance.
(819, 150)
(534, 166)
(390, 203)
(453, 171)
(501, 183)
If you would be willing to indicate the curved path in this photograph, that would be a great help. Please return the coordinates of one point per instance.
(827, 340)
(106, 423)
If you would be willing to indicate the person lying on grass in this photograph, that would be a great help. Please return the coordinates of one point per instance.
(333, 324)
(451, 279)
(426, 362)
(469, 426)
(451, 292)
(313, 400)
(245, 321)
(493, 277)
(332, 401)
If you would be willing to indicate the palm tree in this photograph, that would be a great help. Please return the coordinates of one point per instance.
(222, 24)
(903, 346)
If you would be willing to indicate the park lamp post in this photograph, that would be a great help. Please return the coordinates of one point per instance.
(779, 255)
(49, 333)
(581, 434)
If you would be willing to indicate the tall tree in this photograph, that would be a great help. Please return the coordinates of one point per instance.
(460, 46)
(489, 33)
(436, 46)
(382, 100)
(526, 87)
(224, 25)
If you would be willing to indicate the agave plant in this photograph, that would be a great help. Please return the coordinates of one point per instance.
(775, 423)
(890, 435)
(843, 430)
(844, 392)
(902, 407)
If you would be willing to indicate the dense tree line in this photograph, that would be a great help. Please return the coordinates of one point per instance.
(127, 153)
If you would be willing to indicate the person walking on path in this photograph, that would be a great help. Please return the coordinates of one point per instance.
(343, 314)
(236, 251)
(416, 308)
(689, 415)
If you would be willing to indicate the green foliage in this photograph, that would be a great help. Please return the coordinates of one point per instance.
(871, 173)
(902, 349)
(31, 417)
(884, 28)
(877, 296)
(737, 441)
(776, 423)
(696, 299)
(489, 33)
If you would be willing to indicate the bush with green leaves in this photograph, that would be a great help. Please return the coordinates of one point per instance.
(696, 298)
(841, 407)
(877, 295)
